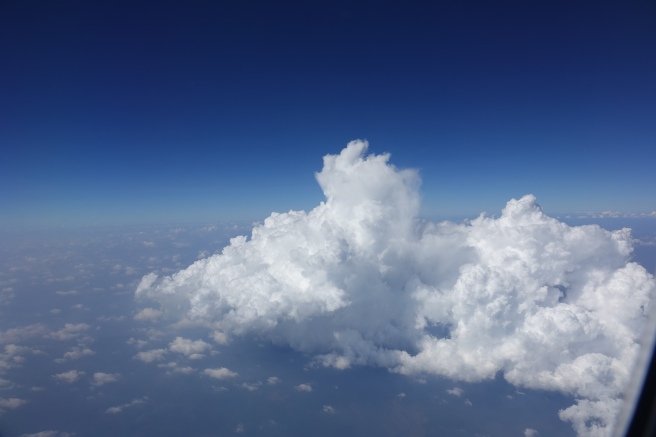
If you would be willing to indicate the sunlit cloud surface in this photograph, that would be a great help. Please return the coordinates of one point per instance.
(360, 280)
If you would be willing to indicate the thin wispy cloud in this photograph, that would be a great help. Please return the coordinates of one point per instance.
(120, 408)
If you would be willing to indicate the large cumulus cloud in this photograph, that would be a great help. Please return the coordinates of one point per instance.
(360, 280)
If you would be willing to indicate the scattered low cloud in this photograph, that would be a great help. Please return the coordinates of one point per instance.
(49, 434)
(645, 242)
(173, 367)
(16, 335)
(273, 380)
(100, 378)
(220, 373)
(69, 377)
(304, 387)
(328, 409)
(14, 351)
(69, 331)
(75, 353)
(138, 343)
(455, 391)
(11, 403)
(5, 384)
(147, 314)
(120, 408)
(252, 386)
(220, 338)
(530, 432)
(192, 349)
(150, 355)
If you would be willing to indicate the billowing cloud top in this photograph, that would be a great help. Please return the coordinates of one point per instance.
(359, 280)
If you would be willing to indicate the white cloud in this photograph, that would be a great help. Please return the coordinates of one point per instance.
(191, 349)
(11, 403)
(328, 409)
(100, 378)
(251, 386)
(5, 384)
(645, 242)
(173, 367)
(68, 377)
(147, 314)
(273, 380)
(120, 408)
(220, 373)
(139, 343)
(69, 331)
(530, 432)
(455, 391)
(42, 434)
(6, 294)
(151, 355)
(75, 354)
(15, 335)
(304, 387)
(362, 280)
(220, 338)
(13, 350)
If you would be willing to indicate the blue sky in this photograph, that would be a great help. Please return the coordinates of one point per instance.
(134, 113)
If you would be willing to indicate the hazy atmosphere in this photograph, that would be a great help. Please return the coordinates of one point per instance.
(324, 218)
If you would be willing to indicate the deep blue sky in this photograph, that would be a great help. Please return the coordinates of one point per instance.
(121, 112)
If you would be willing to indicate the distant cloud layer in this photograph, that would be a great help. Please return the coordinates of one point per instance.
(360, 280)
